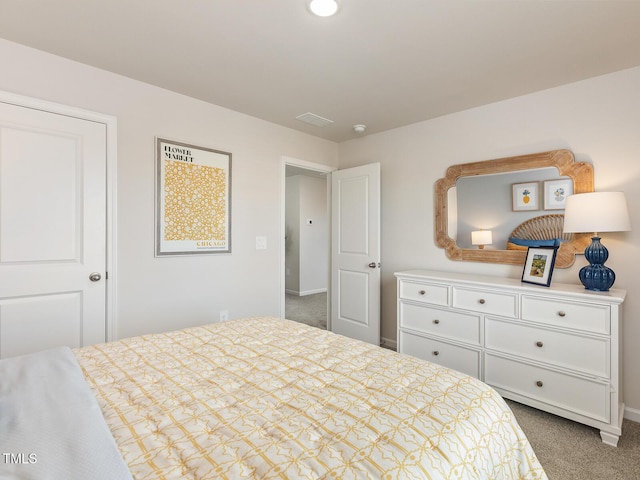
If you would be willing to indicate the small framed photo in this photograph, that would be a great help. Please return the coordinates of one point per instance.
(556, 193)
(525, 196)
(538, 267)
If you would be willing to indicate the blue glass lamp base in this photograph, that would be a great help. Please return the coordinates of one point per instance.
(596, 276)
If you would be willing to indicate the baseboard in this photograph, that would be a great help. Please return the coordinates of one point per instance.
(632, 414)
(306, 292)
(387, 343)
(312, 292)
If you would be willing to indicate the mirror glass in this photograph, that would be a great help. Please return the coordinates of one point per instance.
(484, 202)
(499, 195)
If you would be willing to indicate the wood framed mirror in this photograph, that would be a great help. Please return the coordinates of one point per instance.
(562, 160)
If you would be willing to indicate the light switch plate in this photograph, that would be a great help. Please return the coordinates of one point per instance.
(261, 243)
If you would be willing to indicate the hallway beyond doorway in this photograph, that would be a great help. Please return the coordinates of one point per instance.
(308, 309)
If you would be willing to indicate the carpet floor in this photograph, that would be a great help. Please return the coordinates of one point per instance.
(308, 309)
(571, 451)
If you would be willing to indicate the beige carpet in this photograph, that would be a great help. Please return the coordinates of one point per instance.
(309, 309)
(571, 451)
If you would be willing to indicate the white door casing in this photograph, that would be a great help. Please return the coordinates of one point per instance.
(53, 221)
(355, 252)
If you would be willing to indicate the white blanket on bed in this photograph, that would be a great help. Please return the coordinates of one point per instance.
(50, 424)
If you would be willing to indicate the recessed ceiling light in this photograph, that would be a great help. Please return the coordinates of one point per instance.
(323, 8)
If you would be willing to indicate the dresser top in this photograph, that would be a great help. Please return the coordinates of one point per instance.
(614, 295)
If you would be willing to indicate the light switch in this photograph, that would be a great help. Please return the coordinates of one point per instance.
(261, 243)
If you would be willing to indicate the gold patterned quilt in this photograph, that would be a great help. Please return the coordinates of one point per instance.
(266, 398)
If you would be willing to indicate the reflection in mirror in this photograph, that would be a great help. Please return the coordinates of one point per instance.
(467, 187)
(484, 202)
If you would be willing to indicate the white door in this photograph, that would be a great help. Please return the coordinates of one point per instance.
(355, 252)
(52, 230)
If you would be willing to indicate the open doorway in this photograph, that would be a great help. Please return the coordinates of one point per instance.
(306, 243)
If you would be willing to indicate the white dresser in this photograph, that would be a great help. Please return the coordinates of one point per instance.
(554, 348)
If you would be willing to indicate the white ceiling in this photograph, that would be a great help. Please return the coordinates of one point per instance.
(382, 63)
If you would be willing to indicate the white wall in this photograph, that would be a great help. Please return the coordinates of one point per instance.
(292, 233)
(307, 246)
(159, 294)
(598, 119)
(314, 238)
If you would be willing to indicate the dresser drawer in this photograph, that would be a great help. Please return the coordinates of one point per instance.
(464, 360)
(433, 293)
(580, 316)
(584, 354)
(582, 396)
(444, 323)
(485, 301)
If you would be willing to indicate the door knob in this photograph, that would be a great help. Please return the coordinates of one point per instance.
(372, 265)
(95, 277)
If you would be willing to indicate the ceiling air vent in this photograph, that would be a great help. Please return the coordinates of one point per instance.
(313, 119)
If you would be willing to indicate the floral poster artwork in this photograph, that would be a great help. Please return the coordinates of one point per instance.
(525, 196)
(556, 193)
(193, 199)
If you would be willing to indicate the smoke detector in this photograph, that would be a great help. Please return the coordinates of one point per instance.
(359, 128)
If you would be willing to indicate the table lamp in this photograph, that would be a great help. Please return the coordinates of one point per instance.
(481, 238)
(596, 212)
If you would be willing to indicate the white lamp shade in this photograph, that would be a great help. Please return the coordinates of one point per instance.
(481, 237)
(596, 212)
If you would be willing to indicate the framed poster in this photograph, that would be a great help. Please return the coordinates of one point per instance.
(538, 267)
(193, 199)
(525, 196)
(556, 193)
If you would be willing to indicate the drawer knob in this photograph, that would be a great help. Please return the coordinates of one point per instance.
(482, 301)
(436, 353)
(422, 292)
(561, 313)
(436, 321)
(539, 344)
(539, 383)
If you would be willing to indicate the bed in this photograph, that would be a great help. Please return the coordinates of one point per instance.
(542, 231)
(267, 398)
